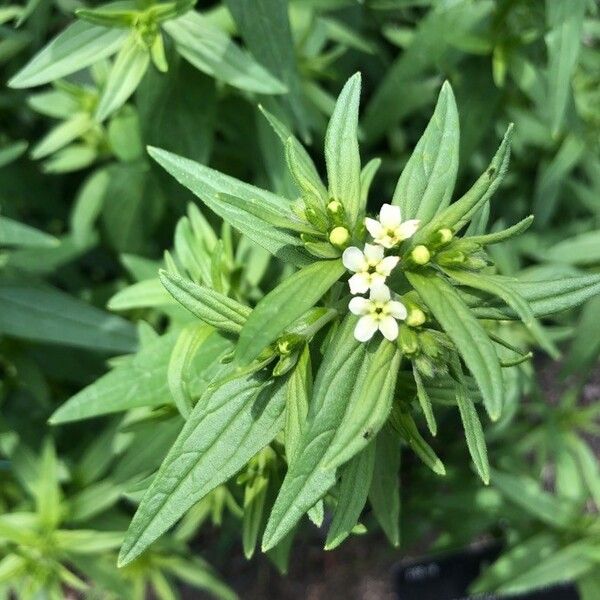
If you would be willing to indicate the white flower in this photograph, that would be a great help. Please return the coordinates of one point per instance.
(370, 267)
(390, 230)
(379, 311)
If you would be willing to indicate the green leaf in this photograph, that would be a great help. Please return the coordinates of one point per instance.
(501, 236)
(425, 401)
(209, 185)
(212, 51)
(188, 343)
(211, 307)
(230, 423)
(352, 495)
(342, 153)
(143, 294)
(88, 206)
(255, 495)
(77, 47)
(471, 340)
(565, 564)
(283, 305)
(63, 134)
(526, 493)
(544, 297)
(47, 488)
(427, 181)
(513, 562)
(125, 75)
(458, 214)
(583, 249)
(473, 433)
(265, 27)
(15, 234)
(85, 541)
(306, 480)
(197, 573)
(366, 178)
(588, 465)
(300, 164)
(299, 390)
(565, 18)
(384, 493)
(139, 381)
(405, 425)
(12, 566)
(500, 286)
(44, 314)
(369, 405)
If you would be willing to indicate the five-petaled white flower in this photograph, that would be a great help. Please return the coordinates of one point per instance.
(370, 267)
(379, 311)
(390, 230)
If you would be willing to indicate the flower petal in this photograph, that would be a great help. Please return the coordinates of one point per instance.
(385, 240)
(387, 265)
(397, 309)
(359, 283)
(380, 293)
(365, 328)
(373, 254)
(390, 216)
(408, 228)
(354, 259)
(376, 280)
(374, 227)
(389, 328)
(359, 305)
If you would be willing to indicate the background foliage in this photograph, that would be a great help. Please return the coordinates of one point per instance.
(86, 218)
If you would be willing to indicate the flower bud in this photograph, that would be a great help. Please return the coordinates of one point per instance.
(339, 236)
(420, 255)
(335, 207)
(407, 340)
(445, 235)
(416, 317)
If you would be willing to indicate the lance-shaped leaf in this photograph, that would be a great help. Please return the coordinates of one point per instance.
(503, 235)
(500, 286)
(265, 28)
(473, 433)
(471, 340)
(526, 493)
(77, 47)
(299, 163)
(352, 496)
(369, 405)
(565, 18)
(61, 135)
(515, 561)
(139, 381)
(407, 428)
(299, 390)
(13, 233)
(544, 297)
(565, 564)
(210, 186)
(426, 184)
(188, 343)
(366, 178)
(341, 150)
(48, 315)
(231, 422)
(583, 249)
(212, 307)
(283, 305)
(126, 73)
(306, 480)
(384, 493)
(458, 214)
(213, 52)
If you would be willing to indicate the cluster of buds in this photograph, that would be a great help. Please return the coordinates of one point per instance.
(371, 268)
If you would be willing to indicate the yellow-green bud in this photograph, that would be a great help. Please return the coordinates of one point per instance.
(420, 255)
(416, 317)
(334, 206)
(339, 236)
(408, 341)
(445, 235)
